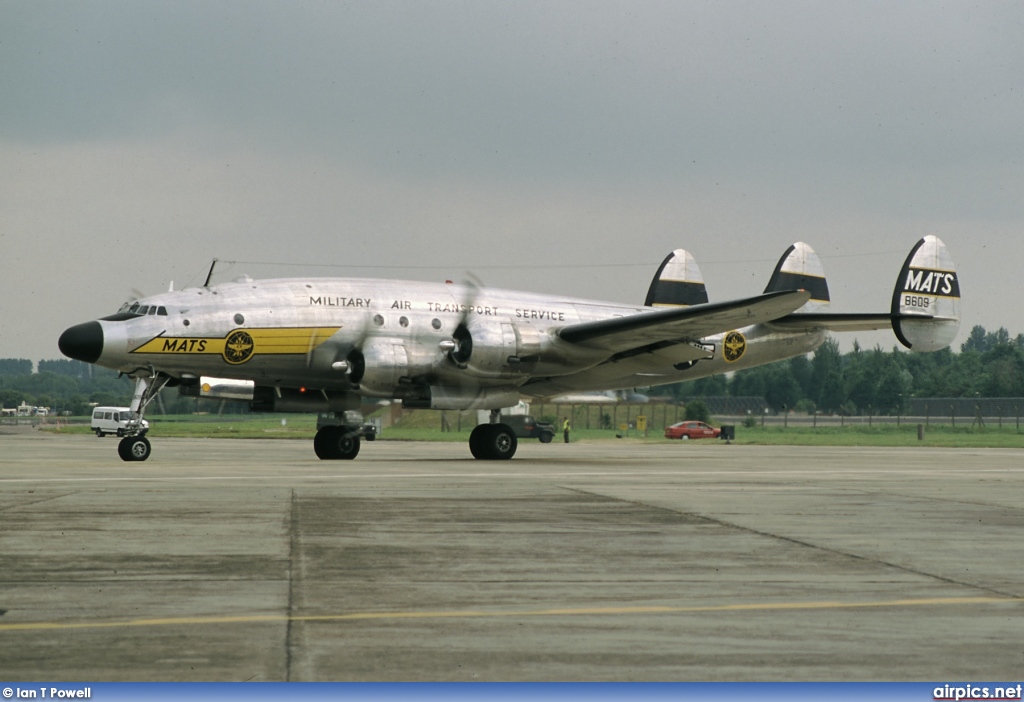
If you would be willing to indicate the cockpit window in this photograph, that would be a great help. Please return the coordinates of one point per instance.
(131, 310)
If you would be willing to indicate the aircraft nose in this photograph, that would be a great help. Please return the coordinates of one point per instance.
(82, 342)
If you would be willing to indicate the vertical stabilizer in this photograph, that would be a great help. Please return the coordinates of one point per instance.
(927, 288)
(800, 269)
(678, 282)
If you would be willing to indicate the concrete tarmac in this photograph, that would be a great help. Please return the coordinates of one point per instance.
(251, 560)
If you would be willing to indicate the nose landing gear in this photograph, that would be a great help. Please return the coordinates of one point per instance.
(135, 446)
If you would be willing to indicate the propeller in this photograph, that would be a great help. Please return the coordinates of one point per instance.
(353, 364)
(462, 337)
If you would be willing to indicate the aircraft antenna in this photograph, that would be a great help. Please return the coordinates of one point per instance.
(210, 274)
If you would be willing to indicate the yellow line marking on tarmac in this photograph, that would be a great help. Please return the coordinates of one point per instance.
(480, 614)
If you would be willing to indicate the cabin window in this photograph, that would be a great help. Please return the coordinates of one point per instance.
(378, 320)
(239, 319)
(143, 310)
(435, 323)
(162, 311)
(404, 321)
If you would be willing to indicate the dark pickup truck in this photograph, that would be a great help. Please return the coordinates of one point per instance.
(526, 427)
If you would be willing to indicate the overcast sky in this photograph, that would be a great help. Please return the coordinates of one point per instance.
(561, 147)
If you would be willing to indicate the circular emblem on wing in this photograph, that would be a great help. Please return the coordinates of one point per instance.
(238, 347)
(734, 346)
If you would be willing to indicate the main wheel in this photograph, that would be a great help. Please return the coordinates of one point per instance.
(334, 443)
(134, 448)
(477, 439)
(503, 442)
(493, 442)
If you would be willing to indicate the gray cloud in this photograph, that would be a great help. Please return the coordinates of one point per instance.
(137, 140)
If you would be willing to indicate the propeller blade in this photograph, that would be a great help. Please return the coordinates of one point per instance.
(462, 337)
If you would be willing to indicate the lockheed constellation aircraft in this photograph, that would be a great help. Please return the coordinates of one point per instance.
(325, 344)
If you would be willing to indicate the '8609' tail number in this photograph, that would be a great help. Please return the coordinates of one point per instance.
(916, 301)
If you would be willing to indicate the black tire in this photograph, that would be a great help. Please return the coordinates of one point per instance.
(493, 442)
(545, 437)
(478, 439)
(336, 443)
(346, 445)
(503, 442)
(321, 444)
(99, 433)
(120, 432)
(134, 448)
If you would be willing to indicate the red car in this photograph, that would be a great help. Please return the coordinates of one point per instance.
(692, 430)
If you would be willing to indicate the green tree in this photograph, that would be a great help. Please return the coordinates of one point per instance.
(976, 340)
(697, 410)
(15, 366)
(827, 373)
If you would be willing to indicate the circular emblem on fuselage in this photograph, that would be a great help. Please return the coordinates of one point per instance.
(238, 347)
(734, 346)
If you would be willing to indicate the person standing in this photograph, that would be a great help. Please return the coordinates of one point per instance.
(565, 428)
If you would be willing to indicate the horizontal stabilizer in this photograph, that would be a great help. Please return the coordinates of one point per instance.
(838, 322)
(925, 313)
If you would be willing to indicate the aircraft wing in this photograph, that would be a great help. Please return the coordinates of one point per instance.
(686, 323)
(841, 322)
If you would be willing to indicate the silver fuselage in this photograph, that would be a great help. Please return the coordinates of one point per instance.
(298, 333)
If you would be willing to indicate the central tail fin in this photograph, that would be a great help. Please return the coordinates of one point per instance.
(800, 269)
(678, 282)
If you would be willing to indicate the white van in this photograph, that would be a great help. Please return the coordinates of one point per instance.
(113, 420)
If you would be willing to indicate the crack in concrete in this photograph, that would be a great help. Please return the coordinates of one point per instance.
(798, 542)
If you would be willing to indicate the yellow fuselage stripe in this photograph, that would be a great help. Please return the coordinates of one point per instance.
(288, 340)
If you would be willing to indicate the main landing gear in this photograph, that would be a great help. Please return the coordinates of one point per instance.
(494, 441)
(135, 446)
(332, 443)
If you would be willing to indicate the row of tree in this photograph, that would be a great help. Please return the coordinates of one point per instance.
(989, 364)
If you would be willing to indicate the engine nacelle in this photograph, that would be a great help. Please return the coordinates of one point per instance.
(217, 388)
(446, 398)
(271, 399)
(497, 350)
(378, 366)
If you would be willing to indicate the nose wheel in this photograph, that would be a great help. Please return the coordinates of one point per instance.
(135, 446)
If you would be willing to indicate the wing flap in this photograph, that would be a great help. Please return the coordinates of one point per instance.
(683, 324)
